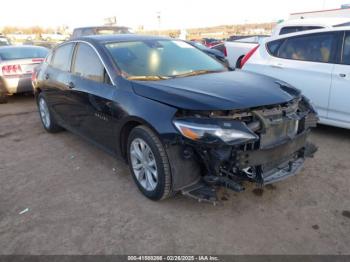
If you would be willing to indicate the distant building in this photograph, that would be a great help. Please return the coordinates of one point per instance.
(344, 11)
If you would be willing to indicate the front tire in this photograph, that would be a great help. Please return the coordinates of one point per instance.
(47, 119)
(238, 63)
(149, 163)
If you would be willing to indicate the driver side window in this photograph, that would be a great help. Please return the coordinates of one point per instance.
(88, 65)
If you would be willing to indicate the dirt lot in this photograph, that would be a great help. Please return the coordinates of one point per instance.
(82, 201)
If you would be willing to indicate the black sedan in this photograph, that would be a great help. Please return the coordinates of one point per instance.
(180, 119)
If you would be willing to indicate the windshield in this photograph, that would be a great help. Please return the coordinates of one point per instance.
(161, 59)
(22, 53)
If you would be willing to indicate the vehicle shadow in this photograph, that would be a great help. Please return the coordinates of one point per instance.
(338, 132)
(323, 129)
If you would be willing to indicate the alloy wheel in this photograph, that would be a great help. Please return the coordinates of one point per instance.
(144, 164)
(44, 113)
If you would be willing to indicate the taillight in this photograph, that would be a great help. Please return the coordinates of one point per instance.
(248, 55)
(38, 60)
(11, 70)
(225, 51)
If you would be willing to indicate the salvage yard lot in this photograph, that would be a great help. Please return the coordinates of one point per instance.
(81, 200)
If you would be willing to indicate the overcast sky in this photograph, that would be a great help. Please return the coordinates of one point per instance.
(134, 13)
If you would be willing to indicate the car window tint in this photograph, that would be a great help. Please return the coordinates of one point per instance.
(346, 50)
(62, 57)
(87, 64)
(220, 47)
(314, 48)
(273, 46)
(294, 29)
(87, 31)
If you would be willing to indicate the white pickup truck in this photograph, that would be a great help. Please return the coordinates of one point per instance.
(237, 49)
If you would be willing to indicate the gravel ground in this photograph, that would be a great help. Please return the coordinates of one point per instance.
(80, 200)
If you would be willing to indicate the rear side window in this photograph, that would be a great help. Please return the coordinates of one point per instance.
(274, 46)
(346, 50)
(87, 31)
(313, 48)
(87, 64)
(62, 57)
(294, 29)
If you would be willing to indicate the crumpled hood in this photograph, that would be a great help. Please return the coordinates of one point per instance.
(217, 91)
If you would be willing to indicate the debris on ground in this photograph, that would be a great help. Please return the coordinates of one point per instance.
(23, 211)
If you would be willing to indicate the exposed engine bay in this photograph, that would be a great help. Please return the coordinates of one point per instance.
(260, 145)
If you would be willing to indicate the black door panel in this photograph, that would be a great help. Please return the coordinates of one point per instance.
(94, 117)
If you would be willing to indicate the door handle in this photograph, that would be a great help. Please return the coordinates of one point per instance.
(279, 66)
(342, 75)
(71, 85)
(47, 76)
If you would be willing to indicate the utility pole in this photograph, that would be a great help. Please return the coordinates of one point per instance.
(159, 21)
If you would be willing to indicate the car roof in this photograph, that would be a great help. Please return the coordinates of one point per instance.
(119, 38)
(321, 21)
(101, 27)
(307, 32)
(21, 47)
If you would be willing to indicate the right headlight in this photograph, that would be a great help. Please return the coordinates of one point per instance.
(215, 130)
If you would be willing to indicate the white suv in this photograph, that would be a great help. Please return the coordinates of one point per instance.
(317, 62)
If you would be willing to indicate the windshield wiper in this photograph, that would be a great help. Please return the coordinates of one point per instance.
(198, 72)
(148, 78)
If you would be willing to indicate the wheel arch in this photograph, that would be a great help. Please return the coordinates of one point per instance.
(238, 62)
(125, 130)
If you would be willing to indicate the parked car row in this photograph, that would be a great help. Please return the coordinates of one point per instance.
(18, 62)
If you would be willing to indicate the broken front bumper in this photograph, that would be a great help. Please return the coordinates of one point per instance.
(271, 165)
(279, 162)
(278, 152)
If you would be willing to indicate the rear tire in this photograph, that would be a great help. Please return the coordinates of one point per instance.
(238, 63)
(3, 98)
(3, 95)
(149, 163)
(47, 119)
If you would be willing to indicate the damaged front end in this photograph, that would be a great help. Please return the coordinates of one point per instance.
(261, 145)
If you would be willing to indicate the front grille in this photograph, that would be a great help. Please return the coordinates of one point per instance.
(279, 132)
